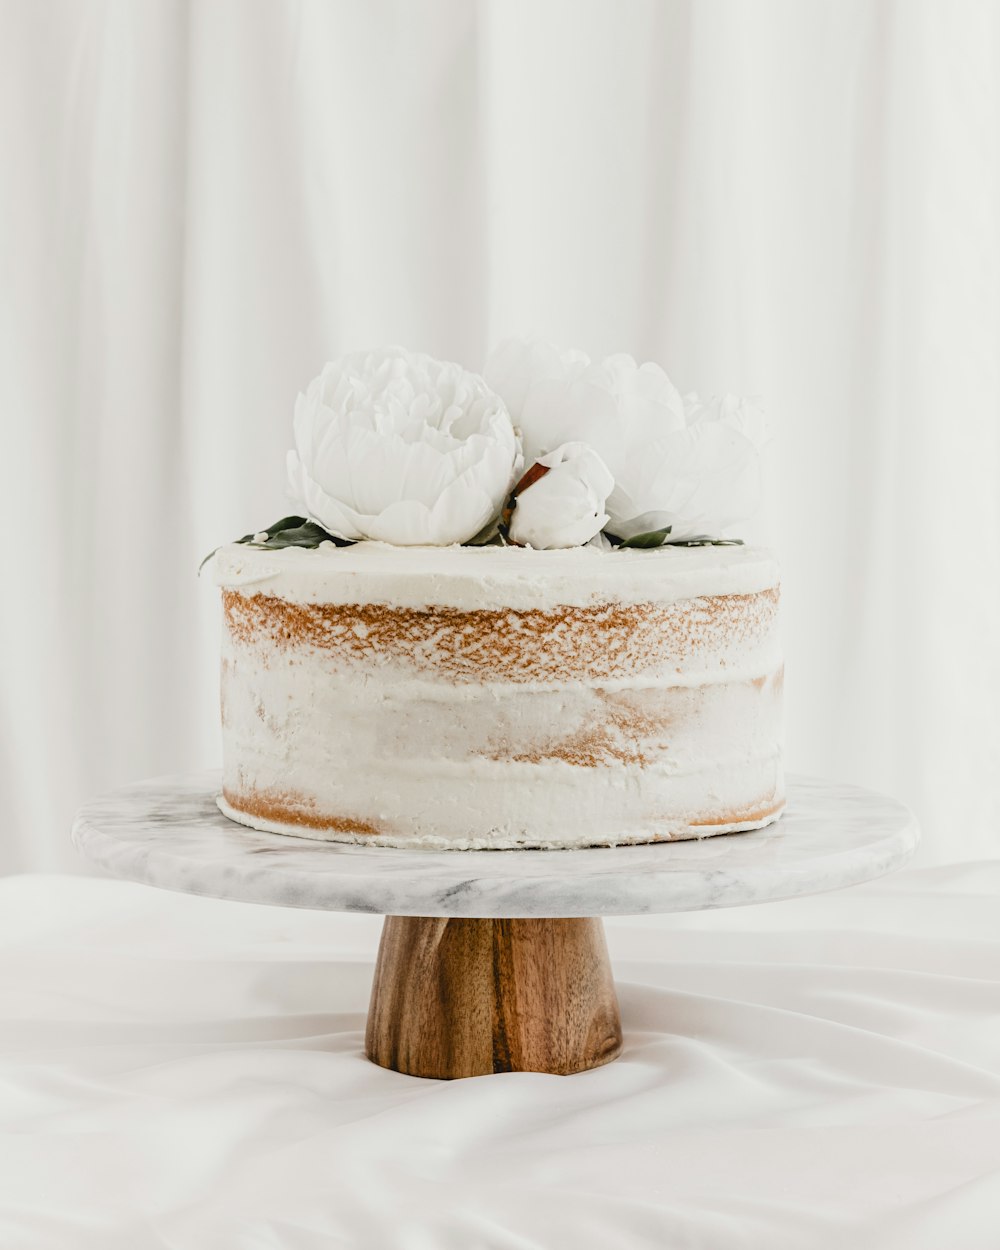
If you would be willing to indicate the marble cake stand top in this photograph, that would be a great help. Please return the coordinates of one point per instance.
(168, 832)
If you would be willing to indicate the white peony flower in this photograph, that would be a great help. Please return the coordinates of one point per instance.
(556, 397)
(691, 465)
(699, 480)
(560, 500)
(518, 365)
(399, 447)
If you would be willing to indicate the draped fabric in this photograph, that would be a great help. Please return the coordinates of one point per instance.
(187, 1073)
(202, 202)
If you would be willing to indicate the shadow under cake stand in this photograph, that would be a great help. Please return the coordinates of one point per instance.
(492, 961)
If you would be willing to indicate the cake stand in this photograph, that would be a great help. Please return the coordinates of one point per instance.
(492, 961)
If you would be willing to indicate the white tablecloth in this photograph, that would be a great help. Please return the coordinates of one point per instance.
(186, 1073)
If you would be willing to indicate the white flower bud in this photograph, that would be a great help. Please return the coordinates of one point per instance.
(563, 506)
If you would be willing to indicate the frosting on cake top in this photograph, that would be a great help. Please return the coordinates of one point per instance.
(491, 577)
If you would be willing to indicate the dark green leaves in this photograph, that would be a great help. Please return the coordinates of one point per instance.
(491, 535)
(286, 523)
(298, 531)
(293, 531)
(290, 531)
(655, 538)
(661, 538)
(702, 541)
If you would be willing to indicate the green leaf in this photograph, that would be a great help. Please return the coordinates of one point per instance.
(488, 536)
(655, 538)
(308, 534)
(290, 531)
(286, 523)
(702, 541)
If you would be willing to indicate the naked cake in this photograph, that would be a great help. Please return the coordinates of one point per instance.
(488, 697)
(560, 657)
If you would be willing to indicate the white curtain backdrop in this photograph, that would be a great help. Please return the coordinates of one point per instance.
(200, 203)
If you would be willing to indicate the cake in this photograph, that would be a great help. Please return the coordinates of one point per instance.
(509, 615)
(490, 697)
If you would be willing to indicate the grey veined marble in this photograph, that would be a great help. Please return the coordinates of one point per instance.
(168, 832)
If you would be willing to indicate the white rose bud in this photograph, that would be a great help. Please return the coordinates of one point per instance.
(560, 500)
(396, 446)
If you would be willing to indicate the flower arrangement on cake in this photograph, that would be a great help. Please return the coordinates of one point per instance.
(547, 449)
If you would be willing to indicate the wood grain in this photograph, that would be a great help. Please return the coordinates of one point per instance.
(460, 997)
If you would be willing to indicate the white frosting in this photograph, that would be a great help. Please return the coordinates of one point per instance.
(491, 840)
(630, 732)
(492, 577)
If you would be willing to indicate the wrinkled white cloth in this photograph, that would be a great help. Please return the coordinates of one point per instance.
(187, 1073)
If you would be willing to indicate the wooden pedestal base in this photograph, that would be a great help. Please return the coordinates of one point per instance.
(457, 997)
